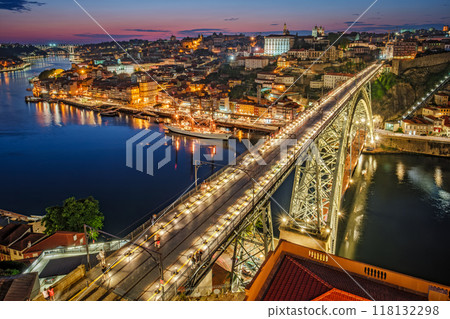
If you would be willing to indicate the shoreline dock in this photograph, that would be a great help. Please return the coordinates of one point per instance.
(147, 114)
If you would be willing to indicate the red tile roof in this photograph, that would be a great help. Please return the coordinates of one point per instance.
(12, 232)
(338, 295)
(60, 238)
(19, 288)
(339, 74)
(295, 282)
(31, 238)
(298, 278)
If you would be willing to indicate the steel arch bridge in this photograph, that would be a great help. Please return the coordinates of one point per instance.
(323, 165)
(324, 171)
(69, 48)
(321, 146)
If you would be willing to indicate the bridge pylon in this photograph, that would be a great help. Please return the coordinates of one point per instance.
(251, 241)
(322, 176)
(251, 247)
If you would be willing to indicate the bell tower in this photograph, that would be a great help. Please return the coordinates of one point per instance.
(285, 30)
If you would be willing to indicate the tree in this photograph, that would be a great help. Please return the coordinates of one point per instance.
(73, 215)
(237, 92)
(44, 75)
(11, 268)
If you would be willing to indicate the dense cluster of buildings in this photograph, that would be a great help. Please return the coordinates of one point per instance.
(230, 76)
(12, 64)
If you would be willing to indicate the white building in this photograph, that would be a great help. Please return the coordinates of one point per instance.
(278, 44)
(121, 68)
(285, 79)
(318, 32)
(331, 80)
(316, 84)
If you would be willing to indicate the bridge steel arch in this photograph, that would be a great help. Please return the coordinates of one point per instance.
(69, 48)
(320, 175)
(318, 184)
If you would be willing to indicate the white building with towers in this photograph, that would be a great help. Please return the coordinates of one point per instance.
(318, 32)
(275, 44)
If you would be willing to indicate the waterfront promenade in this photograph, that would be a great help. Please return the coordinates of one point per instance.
(389, 142)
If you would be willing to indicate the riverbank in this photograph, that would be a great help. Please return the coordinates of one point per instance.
(386, 151)
(18, 68)
(153, 113)
(395, 143)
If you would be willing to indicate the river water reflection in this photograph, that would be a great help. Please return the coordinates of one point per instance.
(397, 215)
(49, 152)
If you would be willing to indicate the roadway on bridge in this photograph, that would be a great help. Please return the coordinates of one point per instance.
(195, 224)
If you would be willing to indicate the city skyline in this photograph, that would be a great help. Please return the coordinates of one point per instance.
(48, 21)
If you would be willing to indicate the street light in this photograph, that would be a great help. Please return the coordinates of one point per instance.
(157, 260)
(198, 163)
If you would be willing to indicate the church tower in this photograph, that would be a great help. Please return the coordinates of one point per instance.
(285, 30)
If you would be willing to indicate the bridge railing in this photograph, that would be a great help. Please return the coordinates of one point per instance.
(77, 250)
(181, 199)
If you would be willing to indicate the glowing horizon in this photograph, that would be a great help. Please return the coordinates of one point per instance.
(63, 21)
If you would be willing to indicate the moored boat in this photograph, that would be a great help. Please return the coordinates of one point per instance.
(33, 99)
(199, 133)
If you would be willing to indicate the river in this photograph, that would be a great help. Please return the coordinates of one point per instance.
(51, 152)
(396, 215)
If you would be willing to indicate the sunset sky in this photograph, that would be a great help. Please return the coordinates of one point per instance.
(45, 21)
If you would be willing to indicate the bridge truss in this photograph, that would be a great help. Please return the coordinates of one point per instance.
(321, 178)
(251, 241)
(321, 175)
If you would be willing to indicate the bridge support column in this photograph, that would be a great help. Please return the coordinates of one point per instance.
(251, 247)
(321, 178)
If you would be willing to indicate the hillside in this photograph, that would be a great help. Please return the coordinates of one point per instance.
(394, 94)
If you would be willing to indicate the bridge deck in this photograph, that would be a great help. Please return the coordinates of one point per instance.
(197, 224)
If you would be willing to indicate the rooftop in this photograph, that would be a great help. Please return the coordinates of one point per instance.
(27, 240)
(19, 288)
(60, 238)
(294, 272)
(12, 232)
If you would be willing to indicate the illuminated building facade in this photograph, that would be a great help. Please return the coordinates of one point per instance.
(278, 44)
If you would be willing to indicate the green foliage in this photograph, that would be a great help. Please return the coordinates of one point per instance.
(231, 72)
(269, 67)
(383, 84)
(73, 215)
(11, 268)
(45, 74)
(344, 42)
(399, 130)
(237, 92)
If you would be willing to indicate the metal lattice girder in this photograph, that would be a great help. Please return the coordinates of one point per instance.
(262, 235)
(318, 182)
(251, 248)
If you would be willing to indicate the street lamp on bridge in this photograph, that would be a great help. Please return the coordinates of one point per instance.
(199, 163)
(157, 260)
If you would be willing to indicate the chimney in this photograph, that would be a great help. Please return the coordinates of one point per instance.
(29, 244)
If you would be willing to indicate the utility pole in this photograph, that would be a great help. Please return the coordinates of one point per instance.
(196, 172)
(87, 247)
